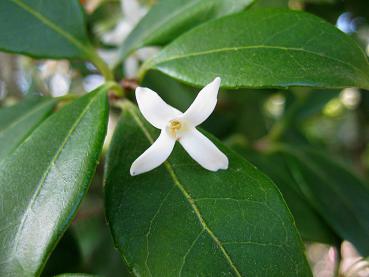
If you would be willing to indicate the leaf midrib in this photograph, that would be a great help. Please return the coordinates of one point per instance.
(230, 49)
(44, 176)
(47, 22)
(188, 197)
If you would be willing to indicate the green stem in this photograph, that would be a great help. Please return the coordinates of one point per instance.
(116, 88)
(106, 72)
(101, 66)
(143, 69)
(281, 126)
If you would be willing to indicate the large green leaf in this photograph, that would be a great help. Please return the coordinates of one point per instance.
(265, 48)
(170, 18)
(181, 220)
(18, 121)
(54, 29)
(339, 196)
(43, 181)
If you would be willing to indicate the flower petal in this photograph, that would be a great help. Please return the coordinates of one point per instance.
(204, 104)
(154, 156)
(203, 151)
(154, 109)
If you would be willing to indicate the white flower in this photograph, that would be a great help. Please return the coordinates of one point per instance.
(176, 125)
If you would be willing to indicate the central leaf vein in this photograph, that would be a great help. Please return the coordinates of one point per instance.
(51, 164)
(232, 49)
(188, 197)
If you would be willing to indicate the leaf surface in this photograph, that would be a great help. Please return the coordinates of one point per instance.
(42, 183)
(265, 48)
(170, 18)
(18, 121)
(181, 220)
(44, 29)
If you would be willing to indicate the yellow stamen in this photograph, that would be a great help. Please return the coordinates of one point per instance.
(174, 126)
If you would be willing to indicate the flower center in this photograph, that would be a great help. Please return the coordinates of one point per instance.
(175, 127)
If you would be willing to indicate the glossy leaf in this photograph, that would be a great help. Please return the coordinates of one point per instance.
(18, 121)
(340, 197)
(265, 48)
(181, 220)
(53, 29)
(42, 183)
(170, 18)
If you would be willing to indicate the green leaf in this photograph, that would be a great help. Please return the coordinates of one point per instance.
(44, 29)
(99, 254)
(18, 121)
(340, 197)
(170, 18)
(265, 48)
(181, 220)
(42, 183)
(313, 104)
(76, 275)
(311, 225)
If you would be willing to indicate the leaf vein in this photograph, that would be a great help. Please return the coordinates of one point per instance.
(230, 49)
(44, 176)
(188, 197)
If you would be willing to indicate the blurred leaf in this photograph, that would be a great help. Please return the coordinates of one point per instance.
(105, 18)
(270, 3)
(18, 121)
(100, 255)
(247, 106)
(314, 103)
(106, 259)
(76, 275)
(65, 257)
(170, 18)
(340, 197)
(44, 29)
(265, 48)
(173, 92)
(42, 183)
(180, 219)
(311, 225)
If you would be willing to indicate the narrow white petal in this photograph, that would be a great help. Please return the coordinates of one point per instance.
(203, 151)
(204, 103)
(154, 109)
(154, 156)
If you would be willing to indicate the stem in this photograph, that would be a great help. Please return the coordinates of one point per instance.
(281, 126)
(143, 69)
(116, 88)
(123, 104)
(101, 66)
(338, 259)
(107, 73)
